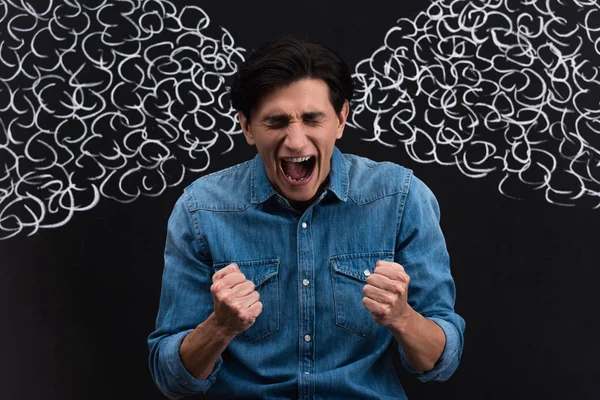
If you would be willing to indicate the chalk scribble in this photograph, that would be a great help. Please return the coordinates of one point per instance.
(121, 99)
(114, 99)
(493, 87)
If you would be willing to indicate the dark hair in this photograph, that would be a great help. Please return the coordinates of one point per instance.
(284, 61)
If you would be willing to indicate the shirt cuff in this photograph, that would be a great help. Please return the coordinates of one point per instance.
(447, 358)
(181, 374)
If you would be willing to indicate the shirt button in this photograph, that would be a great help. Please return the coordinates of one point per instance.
(305, 282)
(307, 338)
(306, 373)
(367, 272)
(304, 225)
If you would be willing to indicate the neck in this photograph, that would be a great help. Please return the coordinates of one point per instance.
(301, 206)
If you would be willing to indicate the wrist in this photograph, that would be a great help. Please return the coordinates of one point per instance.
(217, 329)
(406, 321)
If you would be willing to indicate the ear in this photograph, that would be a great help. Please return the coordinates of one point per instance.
(245, 124)
(342, 117)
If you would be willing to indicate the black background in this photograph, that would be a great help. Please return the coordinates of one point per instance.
(78, 302)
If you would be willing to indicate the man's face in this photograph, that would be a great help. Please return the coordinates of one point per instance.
(294, 129)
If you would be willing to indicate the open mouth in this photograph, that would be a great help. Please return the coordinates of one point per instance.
(298, 169)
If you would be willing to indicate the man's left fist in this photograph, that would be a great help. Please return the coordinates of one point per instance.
(386, 293)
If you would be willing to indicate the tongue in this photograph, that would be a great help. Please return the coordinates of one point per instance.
(296, 171)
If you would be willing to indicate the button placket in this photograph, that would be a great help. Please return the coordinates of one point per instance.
(306, 293)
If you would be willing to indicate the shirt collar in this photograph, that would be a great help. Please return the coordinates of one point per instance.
(260, 186)
(261, 189)
(338, 176)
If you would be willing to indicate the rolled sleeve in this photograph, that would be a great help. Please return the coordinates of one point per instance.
(184, 383)
(449, 359)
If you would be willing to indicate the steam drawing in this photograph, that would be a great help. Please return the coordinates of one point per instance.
(493, 87)
(122, 99)
(117, 100)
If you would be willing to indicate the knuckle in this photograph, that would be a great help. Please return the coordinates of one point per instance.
(214, 288)
(219, 286)
(231, 268)
(226, 296)
(236, 275)
(221, 297)
(241, 310)
(239, 272)
(387, 300)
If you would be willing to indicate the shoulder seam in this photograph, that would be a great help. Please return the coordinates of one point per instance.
(226, 171)
(195, 225)
(192, 201)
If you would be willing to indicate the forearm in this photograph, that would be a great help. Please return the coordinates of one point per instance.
(421, 339)
(202, 347)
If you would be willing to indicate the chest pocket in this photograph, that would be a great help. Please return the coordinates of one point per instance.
(265, 276)
(349, 275)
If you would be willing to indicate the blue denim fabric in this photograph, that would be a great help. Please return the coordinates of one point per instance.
(314, 339)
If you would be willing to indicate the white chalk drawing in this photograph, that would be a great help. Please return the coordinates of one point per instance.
(494, 87)
(106, 99)
(122, 99)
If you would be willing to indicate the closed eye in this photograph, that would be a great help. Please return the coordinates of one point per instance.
(280, 121)
(312, 122)
(280, 125)
(276, 121)
(313, 118)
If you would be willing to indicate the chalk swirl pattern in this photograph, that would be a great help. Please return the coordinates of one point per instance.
(106, 99)
(121, 99)
(503, 88)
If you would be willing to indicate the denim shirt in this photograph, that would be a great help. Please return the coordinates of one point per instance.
(314, 338)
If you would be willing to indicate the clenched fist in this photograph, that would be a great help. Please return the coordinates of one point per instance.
(236, 302)
(386, 293)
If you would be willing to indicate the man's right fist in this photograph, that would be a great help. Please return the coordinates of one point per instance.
(236, 301)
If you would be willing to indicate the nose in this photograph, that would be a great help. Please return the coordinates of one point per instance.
(295, 138)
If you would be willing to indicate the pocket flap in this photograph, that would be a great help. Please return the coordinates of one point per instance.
(359, 265)
(258, 271)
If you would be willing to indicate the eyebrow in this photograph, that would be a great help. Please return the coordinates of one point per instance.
(282, 118)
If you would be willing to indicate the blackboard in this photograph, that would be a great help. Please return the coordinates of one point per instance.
(515, 167)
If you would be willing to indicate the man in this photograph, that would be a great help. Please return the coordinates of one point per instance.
(288, 276)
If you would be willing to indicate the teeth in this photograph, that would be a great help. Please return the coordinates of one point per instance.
(297, 180)
(296, 159)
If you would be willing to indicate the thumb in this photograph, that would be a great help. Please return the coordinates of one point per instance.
(226, 271)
